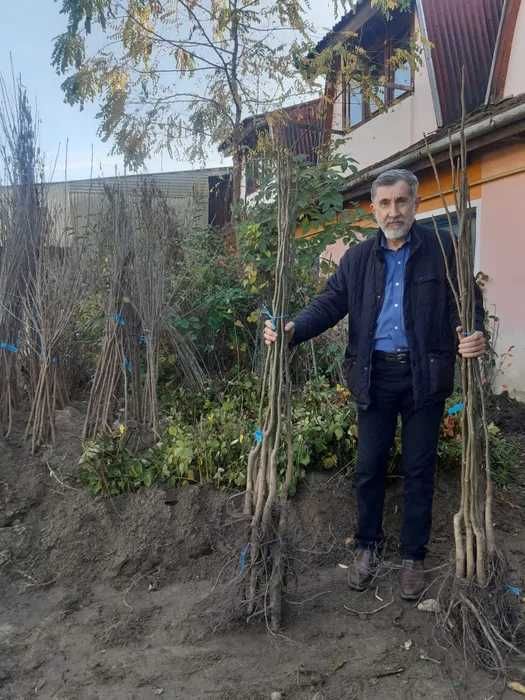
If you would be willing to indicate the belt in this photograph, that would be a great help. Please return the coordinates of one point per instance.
(403, 357)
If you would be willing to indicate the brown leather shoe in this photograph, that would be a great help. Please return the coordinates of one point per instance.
(363, 569)
(412, 579)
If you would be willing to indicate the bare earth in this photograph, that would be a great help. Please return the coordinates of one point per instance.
(128, 598)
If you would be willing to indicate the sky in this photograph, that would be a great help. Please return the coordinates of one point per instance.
(27, 30)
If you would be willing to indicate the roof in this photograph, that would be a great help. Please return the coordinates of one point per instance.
(334, 34)
(300, 127)
(463, 34)
(174, 183)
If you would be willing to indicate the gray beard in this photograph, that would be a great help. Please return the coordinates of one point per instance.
(395, 235)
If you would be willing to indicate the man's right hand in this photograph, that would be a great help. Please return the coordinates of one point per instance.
(270, 336)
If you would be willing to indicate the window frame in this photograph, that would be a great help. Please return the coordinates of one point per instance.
(390, 87)
(475, 206)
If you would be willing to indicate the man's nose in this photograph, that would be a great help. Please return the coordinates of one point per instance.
(393, 210)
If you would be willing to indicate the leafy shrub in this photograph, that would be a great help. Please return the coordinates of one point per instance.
(108, 466)
(504, 453)
(207, 438)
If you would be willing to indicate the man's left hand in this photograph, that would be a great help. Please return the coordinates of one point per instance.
(471, 346)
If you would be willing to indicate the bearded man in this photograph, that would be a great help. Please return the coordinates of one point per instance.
(403, 336)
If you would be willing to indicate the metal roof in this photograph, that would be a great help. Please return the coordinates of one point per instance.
(174, 184)
(300, 127)
(463, 34)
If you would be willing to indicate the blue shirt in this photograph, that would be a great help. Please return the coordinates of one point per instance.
(390, 335)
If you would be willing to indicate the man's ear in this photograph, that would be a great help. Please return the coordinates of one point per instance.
(418, 202)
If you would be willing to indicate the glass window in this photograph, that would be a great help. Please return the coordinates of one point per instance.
(355, 104)
(443, 225)
(402, 80)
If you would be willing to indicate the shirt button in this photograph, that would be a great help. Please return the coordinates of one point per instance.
(396, 305)
(397, 284)
(395, 328)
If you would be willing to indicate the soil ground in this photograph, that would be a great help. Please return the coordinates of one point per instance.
(125, 598)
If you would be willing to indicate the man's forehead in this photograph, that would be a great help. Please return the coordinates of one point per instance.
(399, 189)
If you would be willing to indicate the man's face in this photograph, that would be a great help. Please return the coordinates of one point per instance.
(394, 209)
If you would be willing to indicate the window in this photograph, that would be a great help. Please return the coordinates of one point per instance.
(402, 80)
(355, 108)
(381, 79)
(441, 220)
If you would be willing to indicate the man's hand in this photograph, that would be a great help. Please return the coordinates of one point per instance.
(270, 336)
(471, 346)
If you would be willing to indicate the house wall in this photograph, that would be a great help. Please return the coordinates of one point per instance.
(401, 126)
(502, 259)
(515, 82)
(497, 180)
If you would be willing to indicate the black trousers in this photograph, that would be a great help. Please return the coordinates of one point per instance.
(392, 395)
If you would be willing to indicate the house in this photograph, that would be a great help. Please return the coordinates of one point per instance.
(416, 110)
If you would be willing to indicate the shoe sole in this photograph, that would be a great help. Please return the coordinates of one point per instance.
(405, 596)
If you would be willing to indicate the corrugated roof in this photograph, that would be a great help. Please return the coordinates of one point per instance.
(175, 183)
(300, 127)
(463, 33)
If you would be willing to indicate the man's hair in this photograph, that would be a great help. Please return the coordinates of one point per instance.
(391, 177)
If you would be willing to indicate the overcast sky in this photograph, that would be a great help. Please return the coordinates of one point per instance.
(27, 30)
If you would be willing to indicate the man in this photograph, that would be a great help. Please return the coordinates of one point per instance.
(403, 337)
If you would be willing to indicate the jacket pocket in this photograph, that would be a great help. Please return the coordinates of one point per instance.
(427, 287)
(441, 373)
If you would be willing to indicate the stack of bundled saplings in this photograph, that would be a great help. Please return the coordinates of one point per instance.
(128, 253)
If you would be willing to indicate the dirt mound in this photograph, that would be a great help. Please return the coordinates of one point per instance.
(123, 598)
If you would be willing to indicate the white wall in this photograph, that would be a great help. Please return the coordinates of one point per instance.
(515, 83)
(391, 131)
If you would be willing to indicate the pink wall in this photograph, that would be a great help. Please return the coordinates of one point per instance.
(502, 258)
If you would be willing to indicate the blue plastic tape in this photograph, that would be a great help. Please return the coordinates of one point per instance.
(457, 408)
(266, 312)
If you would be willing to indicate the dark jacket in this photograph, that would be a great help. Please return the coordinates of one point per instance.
(357, 289)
